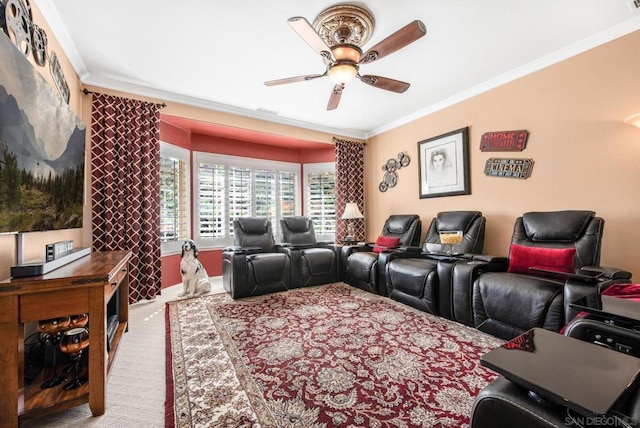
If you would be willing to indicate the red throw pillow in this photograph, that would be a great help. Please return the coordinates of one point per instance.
(384, 243)
(521, 258)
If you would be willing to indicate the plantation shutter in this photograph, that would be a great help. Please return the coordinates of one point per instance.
(288, 189)
(173, 199)
(321, 201)
(212, 190)
(240, 194)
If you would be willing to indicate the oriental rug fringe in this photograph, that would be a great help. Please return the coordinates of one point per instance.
(319, 357)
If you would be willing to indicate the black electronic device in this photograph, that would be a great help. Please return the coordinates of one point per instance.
(621, 338)
(41, 267)
(58, 249)
(112, 327)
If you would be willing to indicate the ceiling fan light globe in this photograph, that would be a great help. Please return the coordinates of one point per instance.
(346, 52)
(342, 73)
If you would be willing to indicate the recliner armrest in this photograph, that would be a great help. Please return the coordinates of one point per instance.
(576, 288)
(296, 246)
(324, 243)
(490, 259)
(608, 272)
(410, 249)
(242, 250)
(384, 249)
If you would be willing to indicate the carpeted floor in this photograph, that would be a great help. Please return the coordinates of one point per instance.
(319, 357)
(136, 385)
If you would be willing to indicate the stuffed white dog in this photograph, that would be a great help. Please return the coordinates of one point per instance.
(195, 280)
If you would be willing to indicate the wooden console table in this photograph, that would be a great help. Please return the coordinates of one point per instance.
(86, 285)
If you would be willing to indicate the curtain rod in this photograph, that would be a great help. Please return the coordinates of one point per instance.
(87, 92)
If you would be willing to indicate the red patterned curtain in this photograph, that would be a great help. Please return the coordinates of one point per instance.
(125, 186)
(349, 184)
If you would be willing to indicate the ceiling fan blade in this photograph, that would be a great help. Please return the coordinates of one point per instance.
(385, 83)
(301, 26)
(334, 100)
(293, 79)
(396, 41)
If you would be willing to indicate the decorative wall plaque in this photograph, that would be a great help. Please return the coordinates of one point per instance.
(512, 168)
(390, 167)
(17, 21)
(504, 141)
(39, 45)
(58, 77)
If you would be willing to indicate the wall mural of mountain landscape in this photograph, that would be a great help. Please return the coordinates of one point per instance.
(42, 149)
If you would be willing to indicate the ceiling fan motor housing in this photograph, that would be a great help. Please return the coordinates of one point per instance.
(344, 24)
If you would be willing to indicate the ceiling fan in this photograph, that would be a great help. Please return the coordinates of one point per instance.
(339, 33)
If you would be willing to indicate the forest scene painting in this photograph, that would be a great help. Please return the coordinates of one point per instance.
(42, 148)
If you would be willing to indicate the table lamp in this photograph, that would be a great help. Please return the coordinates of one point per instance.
(351, 212)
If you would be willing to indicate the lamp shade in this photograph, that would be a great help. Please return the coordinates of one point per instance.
(351, 211)
(341, 74)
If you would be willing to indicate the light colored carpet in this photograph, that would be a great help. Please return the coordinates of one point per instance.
(136, 384)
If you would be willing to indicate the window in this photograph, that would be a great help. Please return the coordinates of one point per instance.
(230, 187)
(320, 198)
(174, 197)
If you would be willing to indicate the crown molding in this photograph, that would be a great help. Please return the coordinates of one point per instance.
(51, 15)
(584, 45)
(165, 96)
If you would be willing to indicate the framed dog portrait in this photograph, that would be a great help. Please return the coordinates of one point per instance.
(444, 164)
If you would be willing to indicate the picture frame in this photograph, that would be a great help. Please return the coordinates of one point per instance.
(443, 165)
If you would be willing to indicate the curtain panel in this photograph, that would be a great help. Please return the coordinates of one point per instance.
(125, 186)
(349, 178)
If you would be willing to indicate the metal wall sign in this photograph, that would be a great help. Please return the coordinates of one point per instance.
(504, 141)
(58, 77)
(512, 168)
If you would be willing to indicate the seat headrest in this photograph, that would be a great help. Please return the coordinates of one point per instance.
(400, 223)
(456, 220)
(562, 226)
(253, 225)
(299, 224)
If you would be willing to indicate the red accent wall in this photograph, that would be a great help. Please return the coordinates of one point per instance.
(224, 146)
(212, 259)
(174, 135)
(170, 274)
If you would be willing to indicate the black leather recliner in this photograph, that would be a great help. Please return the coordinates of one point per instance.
(506, 304)
(504, 403)
(255, 265)
(419, 278)
(358, 263)
(312, 262)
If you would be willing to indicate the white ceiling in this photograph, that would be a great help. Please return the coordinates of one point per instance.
(217, 54)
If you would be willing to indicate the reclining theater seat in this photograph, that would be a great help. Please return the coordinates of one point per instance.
(358, 263)
(506, 304)
(420, 280)
(312, 262)
(255, 265)
(509, 403)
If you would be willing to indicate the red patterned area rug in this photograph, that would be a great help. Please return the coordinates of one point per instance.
(325, 356)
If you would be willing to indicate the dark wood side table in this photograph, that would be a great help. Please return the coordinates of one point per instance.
(87, 285)
(581, 376)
